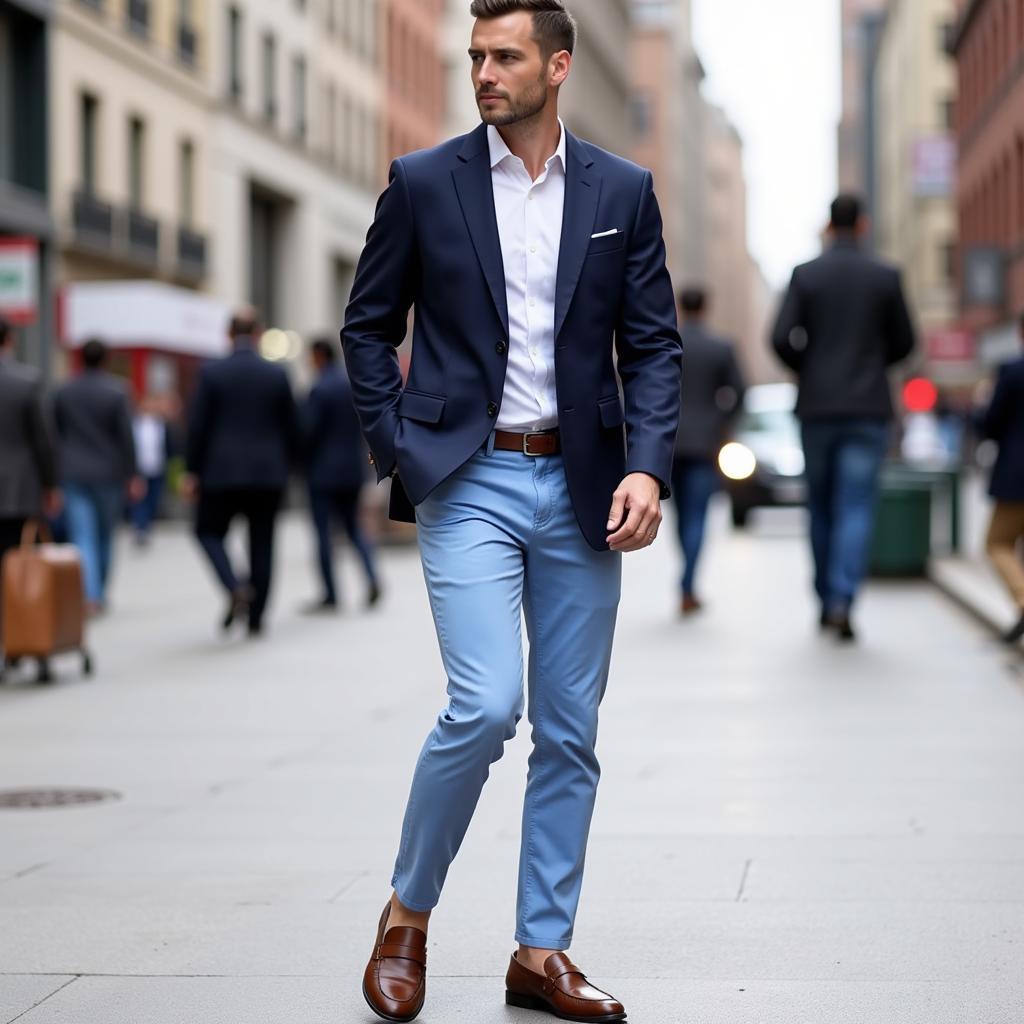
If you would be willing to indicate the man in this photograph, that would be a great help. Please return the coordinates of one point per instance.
(97, 465)
(335, 470)
(843, 323)
(243, 434)
(1003, 421)
(526, 253)
(153, 449)
(28, 470)
(712, 395)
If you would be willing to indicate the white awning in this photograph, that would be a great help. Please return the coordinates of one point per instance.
(145, 314)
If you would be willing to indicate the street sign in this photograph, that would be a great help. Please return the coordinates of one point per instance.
(933, 166)
(949, 345)
(19, 278)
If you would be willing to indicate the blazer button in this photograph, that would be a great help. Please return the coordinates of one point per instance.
(492, 409)
(501, 348)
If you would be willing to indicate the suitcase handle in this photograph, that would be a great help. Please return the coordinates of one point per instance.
(35, 531)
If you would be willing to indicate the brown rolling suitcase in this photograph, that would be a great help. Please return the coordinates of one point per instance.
(43, 601)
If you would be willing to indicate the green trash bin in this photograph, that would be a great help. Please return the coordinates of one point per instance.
(903, 524)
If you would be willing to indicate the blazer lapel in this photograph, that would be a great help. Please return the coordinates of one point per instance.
(582, 193)
(476, 196)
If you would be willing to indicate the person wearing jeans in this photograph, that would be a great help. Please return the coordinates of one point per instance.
(712, 395)
(97, 463)
(843, 323)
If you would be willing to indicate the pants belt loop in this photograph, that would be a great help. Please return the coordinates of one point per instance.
(489, 449)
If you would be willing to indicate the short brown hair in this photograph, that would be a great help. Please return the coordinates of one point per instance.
(554, 28)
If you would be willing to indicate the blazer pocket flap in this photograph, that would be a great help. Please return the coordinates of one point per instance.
(607, 243)
(611, 412)
(418, 405)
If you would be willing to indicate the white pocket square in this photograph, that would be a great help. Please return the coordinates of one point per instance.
(605, 234)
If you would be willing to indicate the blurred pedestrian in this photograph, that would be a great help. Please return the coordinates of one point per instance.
(152, 447)
(712, 395)
(1003, 422)
(243, 435)
(28, 466)
(843, 323)
(335, 470)
(531, 258)
(97, 465)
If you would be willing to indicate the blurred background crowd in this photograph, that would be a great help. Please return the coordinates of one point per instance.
(163, 162)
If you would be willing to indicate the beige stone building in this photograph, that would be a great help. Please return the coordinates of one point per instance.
(131, 140)
(915, 85)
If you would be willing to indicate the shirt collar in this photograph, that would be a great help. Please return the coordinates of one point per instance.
(499, 149)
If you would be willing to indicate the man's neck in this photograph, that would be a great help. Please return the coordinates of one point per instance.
(534, 141)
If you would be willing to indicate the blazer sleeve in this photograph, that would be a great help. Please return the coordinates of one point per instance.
(198, 432)
(649, 347)
(995, 420)
(787, 323)
(900, 329)
(377, 317)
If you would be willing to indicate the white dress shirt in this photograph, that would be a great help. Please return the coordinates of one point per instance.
(529, 217)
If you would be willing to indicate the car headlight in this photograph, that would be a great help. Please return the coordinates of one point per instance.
(737, 461)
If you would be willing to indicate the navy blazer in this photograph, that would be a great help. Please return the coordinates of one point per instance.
(434, 245)
(335, 454)
(1003, 421)
(243, 429)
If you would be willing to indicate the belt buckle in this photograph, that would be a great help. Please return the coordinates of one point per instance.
(526, 443)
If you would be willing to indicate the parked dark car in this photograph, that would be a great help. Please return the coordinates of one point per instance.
(763, 465)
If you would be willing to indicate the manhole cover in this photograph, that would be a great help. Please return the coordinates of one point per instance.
(15, 799)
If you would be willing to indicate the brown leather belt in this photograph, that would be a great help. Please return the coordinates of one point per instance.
(542, 442)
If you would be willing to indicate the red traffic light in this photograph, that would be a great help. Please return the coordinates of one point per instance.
(919, 395)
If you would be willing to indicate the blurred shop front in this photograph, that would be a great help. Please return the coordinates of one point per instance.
(158, 335)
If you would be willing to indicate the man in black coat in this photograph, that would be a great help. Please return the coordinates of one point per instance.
(93, 416)
(843, 323)
(28, 470)
(1003, 421)
(243, 436)
(712, 395)
(336, 468)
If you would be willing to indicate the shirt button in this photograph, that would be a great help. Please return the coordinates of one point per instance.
(492, 409)
(533, 248)
(532, 303)
(501, 348)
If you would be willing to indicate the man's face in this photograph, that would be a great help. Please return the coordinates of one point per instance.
(511, 78)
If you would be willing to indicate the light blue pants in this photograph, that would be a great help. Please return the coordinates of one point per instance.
(92, 514)
(499, 539)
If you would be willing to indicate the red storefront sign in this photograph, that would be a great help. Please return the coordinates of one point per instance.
(949, 345)
(19, 279)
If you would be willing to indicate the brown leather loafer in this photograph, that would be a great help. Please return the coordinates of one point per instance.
(562, 990)
(395, 982)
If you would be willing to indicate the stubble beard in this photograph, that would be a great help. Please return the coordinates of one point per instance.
(523, 108)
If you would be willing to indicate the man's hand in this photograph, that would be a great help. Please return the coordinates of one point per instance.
(189, 486)
(638, 499)
(137, 488)
(53, 502)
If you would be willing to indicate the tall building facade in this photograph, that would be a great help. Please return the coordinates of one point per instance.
(858, 20)
(668, 128)
(988, 45)
(915, 163)
(26, 224)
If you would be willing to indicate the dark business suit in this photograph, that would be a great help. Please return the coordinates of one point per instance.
(1003, 422)
(335, 471)
(97, 458)
(501, 533)
(843, 323)
(712, 395)
(27, 457)
(243, 436)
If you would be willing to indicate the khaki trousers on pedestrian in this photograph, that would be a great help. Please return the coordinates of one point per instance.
(1003, 545)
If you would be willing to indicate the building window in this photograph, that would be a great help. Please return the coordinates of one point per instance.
(269, 77)
(136, 158)
(331, 122)
(235, 53)
(186, 33)
(89, 116)
(299, 96)
(949, 115)
(186, 182)
(138, 16)
(948, 258)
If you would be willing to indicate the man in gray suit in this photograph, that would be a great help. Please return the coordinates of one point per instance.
(97, 464)
(712, 395)
(27, 465)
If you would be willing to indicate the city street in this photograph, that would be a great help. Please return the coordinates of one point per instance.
(787, 831)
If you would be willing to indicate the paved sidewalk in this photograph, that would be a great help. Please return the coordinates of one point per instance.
(786, 831)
